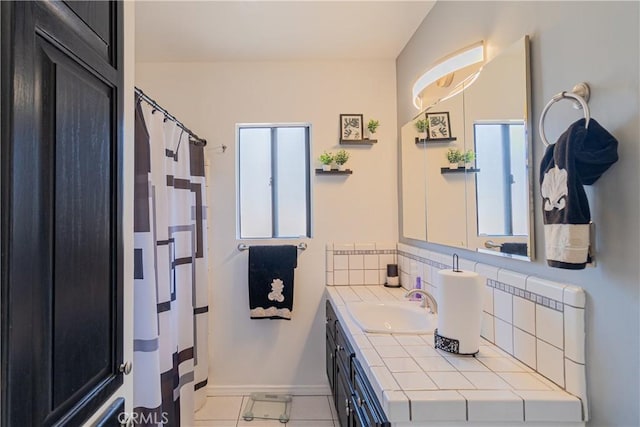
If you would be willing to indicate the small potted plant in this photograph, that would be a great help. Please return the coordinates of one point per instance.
(373, 126)
(469, 157)
(423, 127)
(341, 158)
(326, 159)
(453, 156)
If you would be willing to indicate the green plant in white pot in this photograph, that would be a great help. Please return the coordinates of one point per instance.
(453, 157)
(423, 127)
(469, 156)
(326, 159)
(372, 126)
(341, 158)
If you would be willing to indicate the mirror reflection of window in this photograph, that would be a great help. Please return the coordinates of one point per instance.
(501, 185)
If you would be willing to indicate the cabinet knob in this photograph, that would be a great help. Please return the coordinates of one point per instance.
(361, 402)
(125, 368)
(338, 347)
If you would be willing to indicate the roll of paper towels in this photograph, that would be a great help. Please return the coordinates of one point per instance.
(460, 296)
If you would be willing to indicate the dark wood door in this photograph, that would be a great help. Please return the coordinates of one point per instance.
(61, 212)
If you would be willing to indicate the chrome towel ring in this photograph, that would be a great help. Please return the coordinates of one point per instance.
(580, 94)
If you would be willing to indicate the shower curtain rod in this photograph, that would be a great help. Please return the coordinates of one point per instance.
(195, 139)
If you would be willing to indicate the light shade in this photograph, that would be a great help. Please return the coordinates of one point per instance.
(456, 61)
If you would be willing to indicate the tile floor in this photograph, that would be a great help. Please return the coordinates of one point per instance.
(306, 411)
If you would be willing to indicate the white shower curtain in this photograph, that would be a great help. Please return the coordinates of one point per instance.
(170, 364)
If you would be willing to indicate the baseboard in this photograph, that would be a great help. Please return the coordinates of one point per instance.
(241, 390)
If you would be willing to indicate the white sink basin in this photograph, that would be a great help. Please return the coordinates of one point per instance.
(393, 317)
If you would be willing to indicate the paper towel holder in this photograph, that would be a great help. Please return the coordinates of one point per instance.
(456, 264)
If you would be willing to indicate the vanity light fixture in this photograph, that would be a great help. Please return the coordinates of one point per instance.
(463, 58)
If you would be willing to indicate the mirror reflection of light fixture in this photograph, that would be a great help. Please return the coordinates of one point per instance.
(442, 73)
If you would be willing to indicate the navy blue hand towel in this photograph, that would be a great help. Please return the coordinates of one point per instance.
(271, 281)
(579, 158)
(514, 248)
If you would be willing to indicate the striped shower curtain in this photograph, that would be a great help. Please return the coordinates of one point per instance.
(170, 364)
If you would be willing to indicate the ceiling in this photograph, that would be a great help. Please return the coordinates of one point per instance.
(202, 31)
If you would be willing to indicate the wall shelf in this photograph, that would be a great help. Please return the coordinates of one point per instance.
(434, 140)
(334, 172)
(358, 141)
(459, 170)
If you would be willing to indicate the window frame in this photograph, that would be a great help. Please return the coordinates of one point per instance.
(274, 181)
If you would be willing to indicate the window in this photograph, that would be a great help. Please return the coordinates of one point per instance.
(273, 181)
(501, 188)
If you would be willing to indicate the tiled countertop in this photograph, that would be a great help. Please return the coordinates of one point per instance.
(416, 383)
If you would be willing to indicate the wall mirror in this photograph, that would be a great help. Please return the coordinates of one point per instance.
(487, 205)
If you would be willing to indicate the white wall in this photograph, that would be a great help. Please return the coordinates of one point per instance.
(596, 42)
(211, 98)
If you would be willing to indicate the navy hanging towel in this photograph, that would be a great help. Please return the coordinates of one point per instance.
(579, 158)
(271, 281)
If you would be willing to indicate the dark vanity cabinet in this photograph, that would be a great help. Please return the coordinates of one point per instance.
(354, 399)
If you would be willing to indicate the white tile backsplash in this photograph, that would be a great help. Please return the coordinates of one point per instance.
(524, 347)
(356, 277)
(372, 277)
(524, 314)
(329, 278)
(487, 302)
(364, 246)
(549, 324)
(503, 305)
(550, 361)
(340, 262)
(343, 246)
(545, 288)
(488, 271)
(386, 246)
(386, 259)
(356, 262)
(487, 327)
(504, 335)
(574, 345)
(574, 296)
(512, 278)
(371, 262)
(330, 261)
(341, 277)
(576, 383)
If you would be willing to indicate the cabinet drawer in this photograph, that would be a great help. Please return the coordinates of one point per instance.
(365, 401)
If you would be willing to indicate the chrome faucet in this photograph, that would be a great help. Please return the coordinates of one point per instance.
(427, 301)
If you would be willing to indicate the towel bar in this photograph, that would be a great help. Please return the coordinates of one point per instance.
(243, 246)
(579, 93)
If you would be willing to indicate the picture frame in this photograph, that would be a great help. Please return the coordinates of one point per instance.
(439, 125)
(351, 127)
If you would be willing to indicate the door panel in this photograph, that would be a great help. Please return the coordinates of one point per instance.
(82, 229)
(61, 215)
